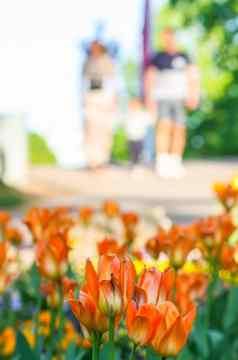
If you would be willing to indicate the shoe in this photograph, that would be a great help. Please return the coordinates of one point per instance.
(163, 167)
(177, 168)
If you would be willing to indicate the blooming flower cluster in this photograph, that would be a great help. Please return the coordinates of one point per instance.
(85, 280)
(152, 315)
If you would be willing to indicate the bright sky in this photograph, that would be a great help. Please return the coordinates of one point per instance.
(40, 60)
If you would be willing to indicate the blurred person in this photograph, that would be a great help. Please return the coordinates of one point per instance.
(149, 145)
(137, 123)
(171, 86)
(100, 104)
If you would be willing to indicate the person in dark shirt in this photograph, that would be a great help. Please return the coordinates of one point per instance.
(171, 85)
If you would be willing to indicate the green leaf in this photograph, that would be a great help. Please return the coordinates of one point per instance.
(215, 338)
(80, 356)
(231, 311)
(185, 355)
(199, 335)
(35, 277)
(70, 353)
(151, 355)
(106, 352)
(23, 349)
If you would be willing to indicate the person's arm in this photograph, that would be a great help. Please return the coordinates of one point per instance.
(193, 87)
(149, 87)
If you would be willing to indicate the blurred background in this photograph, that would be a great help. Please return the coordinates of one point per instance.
(44, 45)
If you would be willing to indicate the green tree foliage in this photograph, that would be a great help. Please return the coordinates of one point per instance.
(120, 150)
(212, 26)
(39, 151)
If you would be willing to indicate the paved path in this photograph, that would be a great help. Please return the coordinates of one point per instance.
(183, 199)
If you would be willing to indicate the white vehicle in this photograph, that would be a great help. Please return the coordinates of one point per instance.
(13, 149)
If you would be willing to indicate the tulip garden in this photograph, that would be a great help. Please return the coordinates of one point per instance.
(111, 284)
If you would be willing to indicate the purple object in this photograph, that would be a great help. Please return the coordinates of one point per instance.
(147, 33)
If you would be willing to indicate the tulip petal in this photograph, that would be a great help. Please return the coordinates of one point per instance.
(92, 283)
(84, 309)
(108, 265)
(166, 285)
(168, 315)
(174, 340)
(130, 314)
(140, 296)
(189, 319)
(127, 278)
(150, 282)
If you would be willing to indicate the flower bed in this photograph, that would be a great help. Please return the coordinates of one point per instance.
(109, 284)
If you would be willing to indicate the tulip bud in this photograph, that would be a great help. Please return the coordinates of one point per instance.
(110, 298)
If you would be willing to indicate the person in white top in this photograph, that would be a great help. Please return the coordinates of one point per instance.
(171, 85)
(137, 122)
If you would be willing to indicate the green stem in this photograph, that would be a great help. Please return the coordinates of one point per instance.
(210, 292)
(61, 318)
(37, 323)
(112, 337)
(52, 334)
(133, 352)
(95, 346)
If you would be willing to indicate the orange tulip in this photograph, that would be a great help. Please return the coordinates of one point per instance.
(153, 319)
(110, 297)
(192, 285)
(127, 280)
(156, 285)
(173, 330)
(111, 247)
(105, 293)
(142, 315)
(69, 285)
(111, 209)
(51, 257)
(229, 257)
(108, 265)
(100, 296)
(3, 253)
(45, 223)
(141, 322)
(212, 233)
(157, 244)
(52, 293)
(85, 307)
(7, 341)
(13, 235)
(227, 194)
(181, 243)
(37, 219)
(85, 214)
(130, 220)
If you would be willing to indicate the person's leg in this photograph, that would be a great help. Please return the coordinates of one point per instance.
(163, 138)
(135, 147)
(149, 146)
(138, 151)
(178, 139)
(178, 142)
(131, 146)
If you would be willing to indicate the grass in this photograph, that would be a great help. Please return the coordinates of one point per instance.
(39, 154)
(10, 197)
